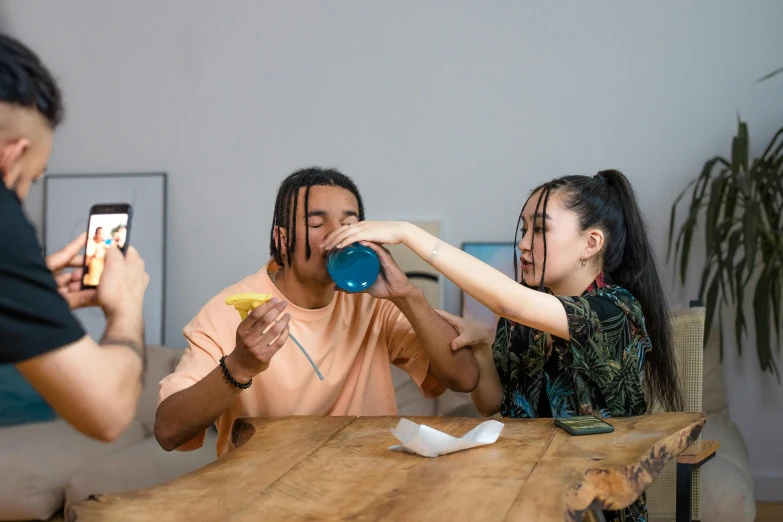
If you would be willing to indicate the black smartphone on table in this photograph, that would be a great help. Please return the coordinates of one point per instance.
(108, 226)
(584, 425)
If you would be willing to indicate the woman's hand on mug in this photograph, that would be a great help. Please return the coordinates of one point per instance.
(381, 232)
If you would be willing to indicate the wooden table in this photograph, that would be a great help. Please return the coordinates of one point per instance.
(308, 468)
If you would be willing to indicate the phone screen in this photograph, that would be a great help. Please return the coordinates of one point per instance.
(584, 423)
(108, 226)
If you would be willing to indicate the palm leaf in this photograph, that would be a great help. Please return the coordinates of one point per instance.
(761, 312)
(713, 206)
(712, 302)
(673, 217)
(706, 272)
(749, 223)
(770, 75)
(734, 242)
(693, 211)
(740, 326)
(739, 148)
(776, 277)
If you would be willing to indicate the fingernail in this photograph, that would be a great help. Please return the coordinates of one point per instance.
(287, 316)
(275, 300)
(284, 303)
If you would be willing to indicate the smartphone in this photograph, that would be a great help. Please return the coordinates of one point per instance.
(584, 425)
(108, 226)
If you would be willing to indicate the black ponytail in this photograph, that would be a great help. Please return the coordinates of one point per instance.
(607, 201)
(637, 272)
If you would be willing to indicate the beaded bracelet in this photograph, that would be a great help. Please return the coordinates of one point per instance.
(231, 379)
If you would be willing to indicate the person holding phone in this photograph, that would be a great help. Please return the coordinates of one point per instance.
(92, 385)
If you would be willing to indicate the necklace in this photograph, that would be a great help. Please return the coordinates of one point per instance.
(274, 277)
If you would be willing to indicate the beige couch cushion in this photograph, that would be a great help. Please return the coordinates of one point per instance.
(715, 399)
(161, 361)
(142, 465)
(727, 487)
(411, 402)
(36, 461)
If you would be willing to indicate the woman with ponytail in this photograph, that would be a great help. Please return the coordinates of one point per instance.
(584, 329)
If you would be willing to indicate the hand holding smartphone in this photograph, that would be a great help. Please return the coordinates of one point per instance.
(107, 226)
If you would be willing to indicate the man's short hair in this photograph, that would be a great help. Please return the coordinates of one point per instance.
(25, 82)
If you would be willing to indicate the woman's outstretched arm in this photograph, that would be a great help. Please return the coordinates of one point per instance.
(489, 286)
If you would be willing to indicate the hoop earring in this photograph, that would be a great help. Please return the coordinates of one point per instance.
(584, 261)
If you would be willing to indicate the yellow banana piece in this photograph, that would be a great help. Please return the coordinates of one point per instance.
(245, 303)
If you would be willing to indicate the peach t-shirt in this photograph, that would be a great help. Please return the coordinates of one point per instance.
(353, 340)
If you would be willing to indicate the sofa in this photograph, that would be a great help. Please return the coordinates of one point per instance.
(727, 484)
(47, 464)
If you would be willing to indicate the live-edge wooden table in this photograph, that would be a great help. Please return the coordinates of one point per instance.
(341, 468)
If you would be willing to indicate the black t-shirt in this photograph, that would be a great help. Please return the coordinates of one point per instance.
(34, 317)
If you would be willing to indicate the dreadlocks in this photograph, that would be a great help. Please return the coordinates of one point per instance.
(288, 201)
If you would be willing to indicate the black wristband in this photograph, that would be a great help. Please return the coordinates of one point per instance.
(231, 379)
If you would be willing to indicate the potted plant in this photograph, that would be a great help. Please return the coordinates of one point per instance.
(738, 201)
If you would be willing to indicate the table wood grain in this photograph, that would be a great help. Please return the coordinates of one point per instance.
(341, 468)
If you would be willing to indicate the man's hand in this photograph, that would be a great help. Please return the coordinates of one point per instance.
(123, 282)
(255, 346)
(69, 282)
(392, 282)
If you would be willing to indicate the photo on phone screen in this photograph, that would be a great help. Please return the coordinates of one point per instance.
(108, 226)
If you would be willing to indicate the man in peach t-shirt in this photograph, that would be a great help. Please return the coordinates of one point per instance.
(251, 368)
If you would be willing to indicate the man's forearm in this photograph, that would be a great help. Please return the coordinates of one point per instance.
(488, 394)
(94, 388)
(183, 416)
(456, 369)
(125, 329)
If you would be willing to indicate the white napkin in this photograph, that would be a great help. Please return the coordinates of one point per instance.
(429, 442)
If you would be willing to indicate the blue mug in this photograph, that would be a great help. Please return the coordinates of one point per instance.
(354, 268)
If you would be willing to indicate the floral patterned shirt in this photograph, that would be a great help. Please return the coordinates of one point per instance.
(599, 371)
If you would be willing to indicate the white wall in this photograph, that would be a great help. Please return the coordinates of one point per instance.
(450, 109)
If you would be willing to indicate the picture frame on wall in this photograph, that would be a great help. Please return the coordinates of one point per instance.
(499, 255)
(67, 199)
